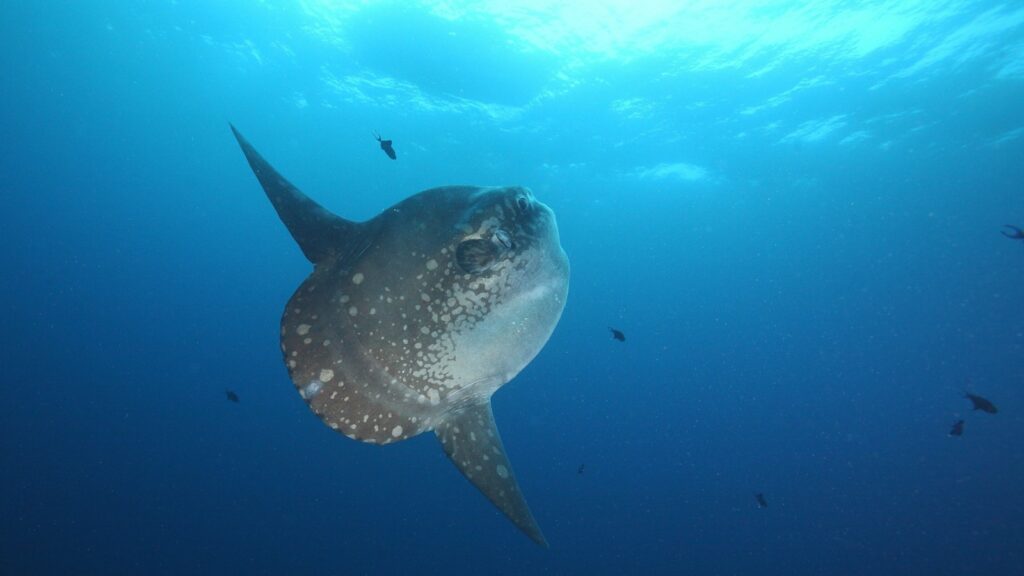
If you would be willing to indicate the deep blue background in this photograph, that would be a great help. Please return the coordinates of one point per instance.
(808, 280)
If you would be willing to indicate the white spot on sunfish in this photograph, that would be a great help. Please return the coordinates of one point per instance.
(312, 389)
(357, 278)
(326, 375)
(396, 431)
(352, 311)
(435, 398)
(303, 329)
(502, 471)
(431, 264)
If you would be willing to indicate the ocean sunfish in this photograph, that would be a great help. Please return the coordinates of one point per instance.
(411, 320)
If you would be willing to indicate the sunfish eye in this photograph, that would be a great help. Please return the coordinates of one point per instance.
(502, 238)
(522, 203)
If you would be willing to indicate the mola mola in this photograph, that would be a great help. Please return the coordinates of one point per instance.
(410, 321)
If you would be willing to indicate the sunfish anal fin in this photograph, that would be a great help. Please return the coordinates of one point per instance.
(471, 441)
(319, 233)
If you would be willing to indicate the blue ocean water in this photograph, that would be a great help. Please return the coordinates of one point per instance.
(791, 209)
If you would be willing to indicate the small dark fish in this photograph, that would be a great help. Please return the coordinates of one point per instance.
(385, 145)
(981, 403)
(232, 396)
(581, 469)
(1014, 234)
(618, 335)
(761, 502)
(957, 429)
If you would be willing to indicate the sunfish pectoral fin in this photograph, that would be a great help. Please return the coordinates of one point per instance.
(318, 232)
(471, 441)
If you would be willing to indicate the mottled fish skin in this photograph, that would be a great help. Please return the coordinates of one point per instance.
(412, 320)
(383, 346)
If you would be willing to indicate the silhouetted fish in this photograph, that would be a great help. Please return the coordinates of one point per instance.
(981, 403)
(581, 469)
(618, 335)
(232, 396)
(761, 502)
(1014, 234)
(385, 145)
(957, 429)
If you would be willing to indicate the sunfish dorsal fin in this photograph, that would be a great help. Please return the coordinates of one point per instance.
(471, 441)
(318, 232)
